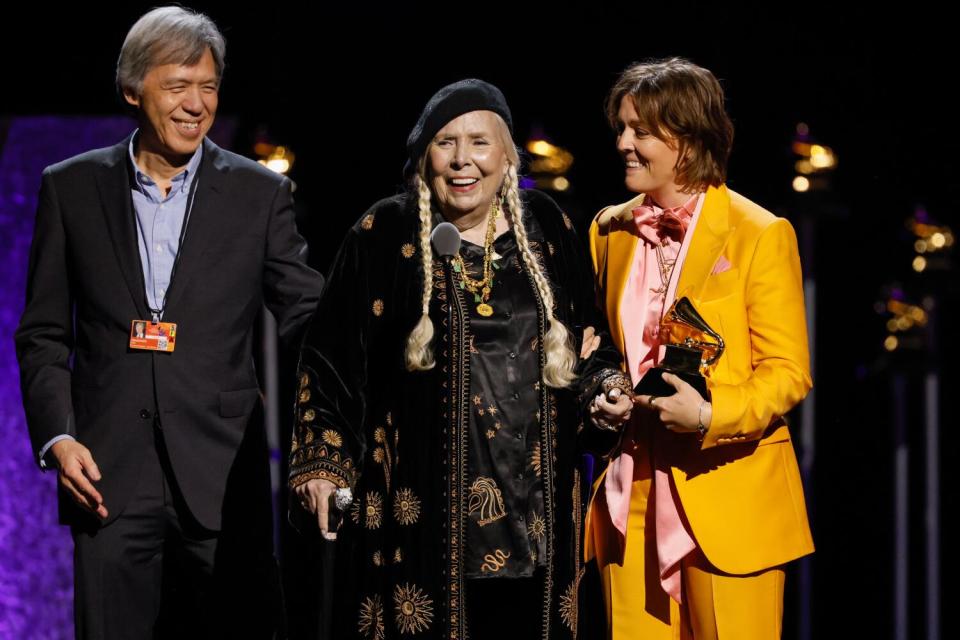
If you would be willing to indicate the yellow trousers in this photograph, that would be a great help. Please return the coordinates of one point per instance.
(716, 606)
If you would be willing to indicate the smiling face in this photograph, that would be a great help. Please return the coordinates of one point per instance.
(177, 106)
(650, 162)
(466, 164)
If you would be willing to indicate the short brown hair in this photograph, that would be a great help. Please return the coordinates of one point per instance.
(679, 100)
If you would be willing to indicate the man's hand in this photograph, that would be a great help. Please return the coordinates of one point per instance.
(77, 473)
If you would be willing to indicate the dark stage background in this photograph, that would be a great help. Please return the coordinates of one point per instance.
(342, 87)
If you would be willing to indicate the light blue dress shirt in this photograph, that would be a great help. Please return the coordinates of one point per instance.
(160, 220)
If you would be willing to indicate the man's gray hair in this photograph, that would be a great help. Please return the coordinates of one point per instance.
(167, 35)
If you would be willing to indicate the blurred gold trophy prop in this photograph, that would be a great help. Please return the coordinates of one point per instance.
(692, 346)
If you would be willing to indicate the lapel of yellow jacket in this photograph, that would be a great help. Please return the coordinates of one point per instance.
(709, 238)
(616, 223)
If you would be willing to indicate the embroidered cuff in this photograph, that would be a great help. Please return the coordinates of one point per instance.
(617, 380)
(311, 462)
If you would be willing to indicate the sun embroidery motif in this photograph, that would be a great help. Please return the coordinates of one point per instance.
(413, 609)
(406, 506)
(332, 438)
(535, 458)
(537, 527)
(371, 618)
(374, 510)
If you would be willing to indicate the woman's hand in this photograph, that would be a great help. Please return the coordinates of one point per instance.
(590, 343)
(316, 496)
(611, 410)
(682, 411)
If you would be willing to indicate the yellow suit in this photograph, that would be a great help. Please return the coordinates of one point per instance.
(740, 490)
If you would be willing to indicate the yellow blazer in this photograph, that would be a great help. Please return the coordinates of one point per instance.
(740, 489)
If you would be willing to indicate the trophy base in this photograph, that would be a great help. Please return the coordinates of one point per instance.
(653, 383)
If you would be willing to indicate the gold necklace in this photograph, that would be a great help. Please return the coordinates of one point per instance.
(481, 288)
(666, 270)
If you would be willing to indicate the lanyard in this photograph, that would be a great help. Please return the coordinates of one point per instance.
(158, 313)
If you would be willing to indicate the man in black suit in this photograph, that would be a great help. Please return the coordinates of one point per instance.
(160, 449)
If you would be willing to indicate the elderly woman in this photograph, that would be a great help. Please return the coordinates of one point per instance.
(439, 405)
(703, 503)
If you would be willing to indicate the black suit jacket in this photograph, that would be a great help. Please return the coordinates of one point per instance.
(78, 375)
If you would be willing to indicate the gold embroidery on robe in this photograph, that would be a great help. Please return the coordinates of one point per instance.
(371, 618)
(495, 561)
(374, 510)
(486, 499)
(569, 605)
(413, 610)
(537, 527)
(406, 506)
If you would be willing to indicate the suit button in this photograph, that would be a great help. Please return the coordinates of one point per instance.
(145, 414)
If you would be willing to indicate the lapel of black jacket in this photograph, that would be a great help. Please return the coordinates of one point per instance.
(205, 223)
(113, 183)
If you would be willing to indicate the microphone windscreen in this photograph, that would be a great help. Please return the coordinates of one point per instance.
(446, 239)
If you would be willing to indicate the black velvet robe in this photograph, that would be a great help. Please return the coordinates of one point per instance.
(399, 438)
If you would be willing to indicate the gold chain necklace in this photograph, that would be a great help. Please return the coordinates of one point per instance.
(481, 288)
(666, 270)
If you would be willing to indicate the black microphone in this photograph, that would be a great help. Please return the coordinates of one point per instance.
(446, 240)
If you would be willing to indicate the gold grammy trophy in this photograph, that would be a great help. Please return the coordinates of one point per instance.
(692, 347)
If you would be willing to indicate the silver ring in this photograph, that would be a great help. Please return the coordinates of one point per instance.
(653, 401)
(342, 498)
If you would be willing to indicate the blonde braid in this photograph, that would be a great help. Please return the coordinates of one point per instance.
(419, 355)
(560, 357)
